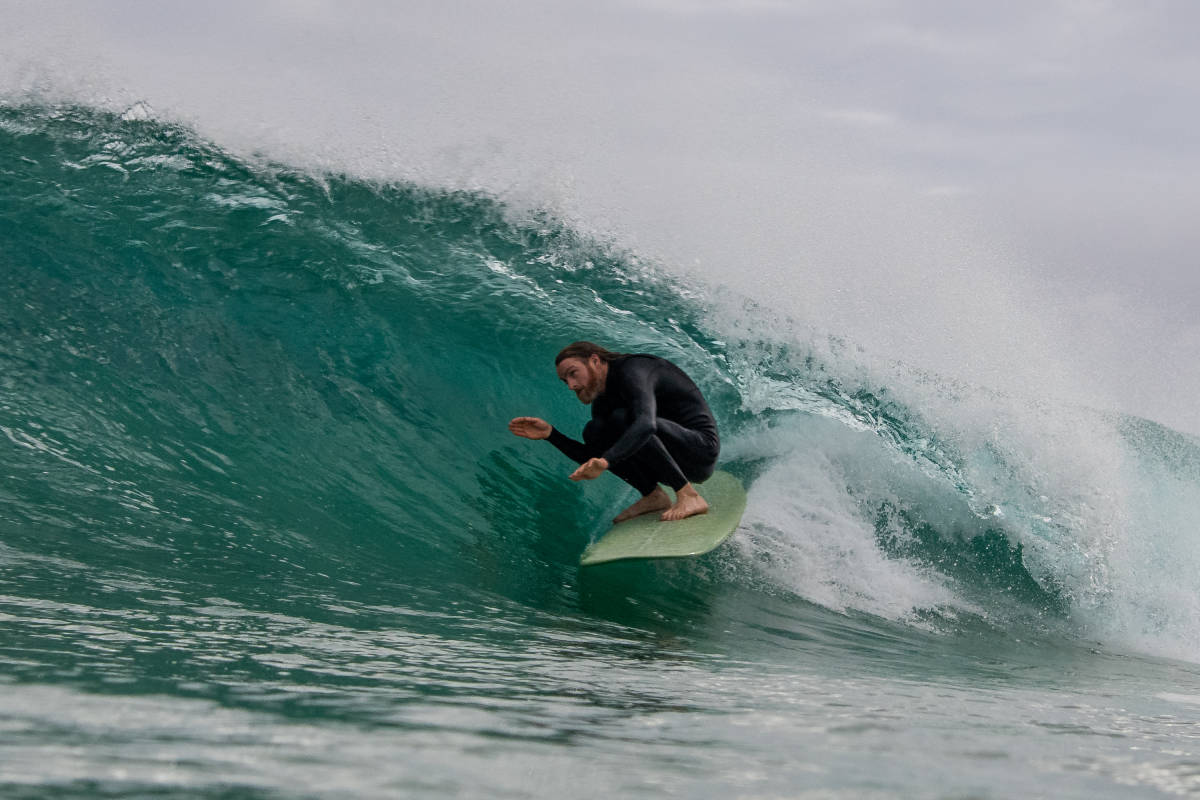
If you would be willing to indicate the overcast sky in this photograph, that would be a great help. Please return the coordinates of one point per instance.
(998, 190)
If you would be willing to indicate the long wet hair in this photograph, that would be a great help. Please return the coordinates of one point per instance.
(584, 351)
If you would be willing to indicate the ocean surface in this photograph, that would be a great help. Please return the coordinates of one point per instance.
(264, 534)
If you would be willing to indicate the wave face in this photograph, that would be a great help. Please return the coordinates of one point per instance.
(232, 384)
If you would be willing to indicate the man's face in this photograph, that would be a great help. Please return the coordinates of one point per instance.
(582, 377)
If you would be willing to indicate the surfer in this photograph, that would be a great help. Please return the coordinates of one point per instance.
(650, 425)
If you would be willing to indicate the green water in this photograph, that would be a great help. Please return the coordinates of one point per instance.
(263, 532)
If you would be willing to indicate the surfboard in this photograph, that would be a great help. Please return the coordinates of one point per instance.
(649, 537)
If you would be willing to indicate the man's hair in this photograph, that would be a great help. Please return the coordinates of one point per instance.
(584, 351)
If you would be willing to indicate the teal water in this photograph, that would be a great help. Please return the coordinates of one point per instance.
(263, 532)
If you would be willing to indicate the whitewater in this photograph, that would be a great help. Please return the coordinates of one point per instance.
(263, 531)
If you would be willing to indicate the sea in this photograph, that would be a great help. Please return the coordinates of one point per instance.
(264, 533)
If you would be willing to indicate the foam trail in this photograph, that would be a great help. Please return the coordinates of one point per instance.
(809, 528)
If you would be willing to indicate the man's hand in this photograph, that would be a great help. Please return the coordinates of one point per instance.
(592, 468)
(530, 427)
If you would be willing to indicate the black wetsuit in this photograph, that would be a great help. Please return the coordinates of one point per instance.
(651, 424)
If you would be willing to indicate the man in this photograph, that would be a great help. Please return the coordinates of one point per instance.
(649, 425)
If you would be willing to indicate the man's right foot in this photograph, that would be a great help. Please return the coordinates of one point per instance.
(688, 503)
(658, 500)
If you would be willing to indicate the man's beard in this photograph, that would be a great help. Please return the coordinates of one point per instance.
(592, 390)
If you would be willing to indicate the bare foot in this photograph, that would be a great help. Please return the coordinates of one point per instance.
(657, 500)
(688, 503)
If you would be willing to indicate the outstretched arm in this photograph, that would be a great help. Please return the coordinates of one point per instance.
(576, 451)
(534, 428)
(530, 427)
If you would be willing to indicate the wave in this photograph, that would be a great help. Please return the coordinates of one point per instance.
(224, 376)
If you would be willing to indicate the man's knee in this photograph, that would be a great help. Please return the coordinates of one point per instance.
(699, 474)
(596, 436)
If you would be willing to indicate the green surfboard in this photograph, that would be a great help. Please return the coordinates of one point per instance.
(650, 537)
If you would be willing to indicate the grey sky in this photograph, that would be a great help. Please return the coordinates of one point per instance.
(1007, 192)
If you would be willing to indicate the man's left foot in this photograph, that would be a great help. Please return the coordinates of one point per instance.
(655, 501)
(688, 503)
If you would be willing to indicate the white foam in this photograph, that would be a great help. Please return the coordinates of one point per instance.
(809, 524)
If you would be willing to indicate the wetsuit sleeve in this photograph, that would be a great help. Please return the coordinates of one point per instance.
(642, 407)
(576, 451)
